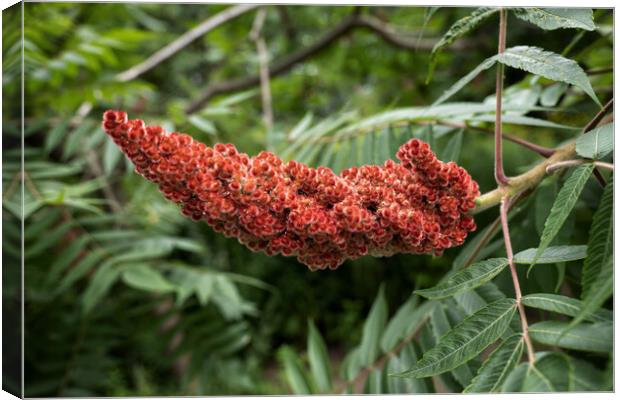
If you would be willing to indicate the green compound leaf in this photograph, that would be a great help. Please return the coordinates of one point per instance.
(562, 206)
(459, 29)
(551, 255)
(498, 366)
(597, 143)
(586, 337)
(563, 305)
(600, 243)
(466, 340)
(556, 18)
(549, 65)
(466, 279)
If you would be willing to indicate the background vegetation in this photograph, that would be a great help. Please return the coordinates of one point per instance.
(124, 296)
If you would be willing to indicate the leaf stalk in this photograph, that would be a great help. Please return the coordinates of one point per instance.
(515, 278)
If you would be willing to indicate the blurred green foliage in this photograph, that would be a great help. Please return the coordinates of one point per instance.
(125, 297)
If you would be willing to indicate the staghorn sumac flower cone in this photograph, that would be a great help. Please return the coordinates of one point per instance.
(418, 205)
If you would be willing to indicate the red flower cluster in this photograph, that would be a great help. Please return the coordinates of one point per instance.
(419, 205)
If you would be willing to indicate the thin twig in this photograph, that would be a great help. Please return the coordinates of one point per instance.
(500, 176)
(600, 71)
(263, 65)
(525, 181)
(286, 63)
(285, 20)
(572, 163)
(563, 164)
(184, 40)
(515, 279)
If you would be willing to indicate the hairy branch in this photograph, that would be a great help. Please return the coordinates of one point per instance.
(184, 40)
(527, 180)
(533, 177)
(288, 62)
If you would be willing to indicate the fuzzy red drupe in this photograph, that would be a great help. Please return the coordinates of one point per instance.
(419, 205)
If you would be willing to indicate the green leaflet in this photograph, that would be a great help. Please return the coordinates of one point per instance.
(143, 277)
(376, 382)
(56, 135)
(515, 378)
(549, 65)
(461, 83)
(545, 193)
(111, 156)
(534, 60)
(551, 95)
(99, 285)
(496, 368)
(597, 143)
(318, 358)
(407, 319)
(602, 289)
(600, 243)
(551, 255)
(551, 372)
(440, 325)
(407, 357)
(555, 18)
(373, 328)
(562, 206)
(587, 376)
(459, 29)
(563, 305)
(466, 340)
(293, 371)
(466, 279)
(586, 337)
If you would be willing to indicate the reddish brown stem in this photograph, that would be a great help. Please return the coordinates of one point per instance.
(500, 176)
(515, 279)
